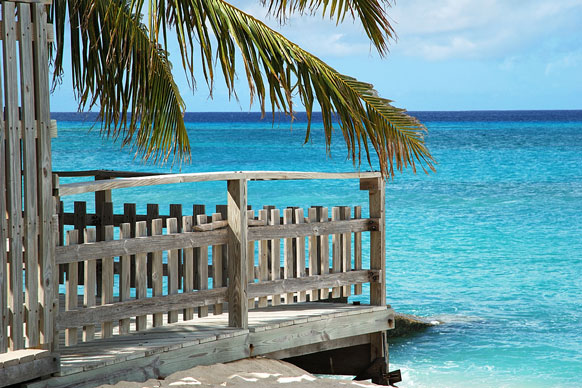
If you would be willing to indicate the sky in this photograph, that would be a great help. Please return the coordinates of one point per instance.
(448, 55)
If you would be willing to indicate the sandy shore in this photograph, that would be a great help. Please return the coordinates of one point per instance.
(255, 372)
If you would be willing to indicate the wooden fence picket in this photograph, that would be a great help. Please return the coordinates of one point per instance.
(314, 266)
(157, 271)
(300, 254)
(275, 254)
(171, 228)
(336, 251)
(202, 272)
(71, 299)
(263, 259)
(107, 283)
(188, 267)
(90, 286)
(141, 282)
(124, 276)
(217, 266)
(358, 250)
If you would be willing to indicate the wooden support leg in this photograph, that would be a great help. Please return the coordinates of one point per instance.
(237, 251)
(379, 351)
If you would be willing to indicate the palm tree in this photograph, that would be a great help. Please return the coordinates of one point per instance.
(120, 64)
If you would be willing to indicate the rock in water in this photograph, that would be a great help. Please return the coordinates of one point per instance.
(406, 324)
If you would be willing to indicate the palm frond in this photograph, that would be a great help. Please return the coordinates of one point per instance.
(370, 13)
(118, 66)
(277, 69)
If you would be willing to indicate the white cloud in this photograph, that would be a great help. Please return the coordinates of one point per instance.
(444, 29)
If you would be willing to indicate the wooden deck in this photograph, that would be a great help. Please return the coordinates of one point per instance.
(273, 331)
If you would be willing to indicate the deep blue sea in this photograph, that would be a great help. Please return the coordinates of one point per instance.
(490, 245)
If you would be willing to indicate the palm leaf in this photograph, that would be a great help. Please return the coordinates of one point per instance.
(277, 69)
(119, 67)
(370, 13)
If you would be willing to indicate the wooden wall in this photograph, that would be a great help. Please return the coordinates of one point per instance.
(27, 293)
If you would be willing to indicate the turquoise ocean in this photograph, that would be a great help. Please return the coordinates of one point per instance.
(490, 245)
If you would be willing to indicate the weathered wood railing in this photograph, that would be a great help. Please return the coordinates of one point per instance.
(151, 265)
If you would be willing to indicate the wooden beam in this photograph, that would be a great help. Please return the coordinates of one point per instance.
(378, 343)
(237, 251)
(320, 347)
(47, 242)
(91, 186)
(315, 229)
(325, 329)
(159, 304)
(40, 365)
(28, 133)
(139, 245)
(4, 231)
(376, 188)
(50, 36)
(291, 285)
(13, 175)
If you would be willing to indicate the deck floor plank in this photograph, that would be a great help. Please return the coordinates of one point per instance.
(210, 339)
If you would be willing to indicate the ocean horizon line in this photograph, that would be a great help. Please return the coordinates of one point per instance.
(299, 117)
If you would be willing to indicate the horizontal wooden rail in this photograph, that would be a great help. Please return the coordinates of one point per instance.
(315, 229)
(110, 184)
(105, 174)
(138, 307)
(132, 246)
(312, 282)
(92, 219)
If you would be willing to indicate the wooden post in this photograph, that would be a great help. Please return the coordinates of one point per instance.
(29, 175)
(237, 250)
(4, 232)
(46, 208)
(376, 188)
(13, 175)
